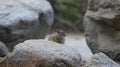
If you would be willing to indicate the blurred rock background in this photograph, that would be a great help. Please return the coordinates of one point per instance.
(69, 14)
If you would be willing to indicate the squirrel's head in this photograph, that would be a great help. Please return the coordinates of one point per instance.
(61, 33)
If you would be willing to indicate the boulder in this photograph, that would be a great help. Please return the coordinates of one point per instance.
(24, 19)
(100, 60)
(42, 53)
(102, 27)
(3, 50)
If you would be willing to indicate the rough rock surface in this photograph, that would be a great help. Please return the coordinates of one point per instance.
(102, 27)
(3, 50)
(100, 60)
(42, 53)
(24, 19)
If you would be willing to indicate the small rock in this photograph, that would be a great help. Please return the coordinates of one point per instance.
(100, 60)
(3, 50)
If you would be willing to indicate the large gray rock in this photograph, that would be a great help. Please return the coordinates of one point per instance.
(3, 50)
(41, 53)
(24, 19)
(102, 27)
(100, 60)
